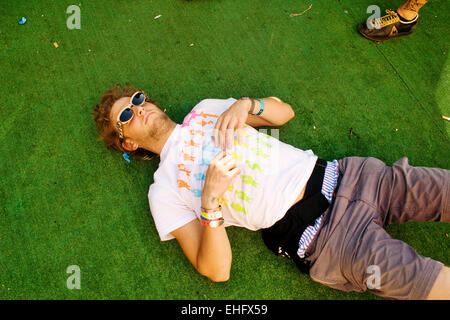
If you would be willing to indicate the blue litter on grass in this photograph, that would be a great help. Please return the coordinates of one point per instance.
(23, 20)
(126, 157)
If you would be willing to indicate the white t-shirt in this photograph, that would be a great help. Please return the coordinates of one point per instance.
(272, 176)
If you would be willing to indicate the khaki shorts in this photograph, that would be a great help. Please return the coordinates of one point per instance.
(353, 252)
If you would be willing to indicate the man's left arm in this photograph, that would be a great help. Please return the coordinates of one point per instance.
(276, 113)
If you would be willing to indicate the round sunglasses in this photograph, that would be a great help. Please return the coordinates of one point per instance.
(127, 113)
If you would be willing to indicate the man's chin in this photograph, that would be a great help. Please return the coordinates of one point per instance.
(158, 125)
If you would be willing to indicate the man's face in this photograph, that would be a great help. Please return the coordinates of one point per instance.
(147, 122)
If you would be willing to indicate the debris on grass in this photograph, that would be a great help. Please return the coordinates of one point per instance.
(23, 20)
(191, 45)
(55, 44)
(157, 17)
(352, 133)
(299, 14)
(126, 157)
(446, 118)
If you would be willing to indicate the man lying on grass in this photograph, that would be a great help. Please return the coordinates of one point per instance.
(216, 170)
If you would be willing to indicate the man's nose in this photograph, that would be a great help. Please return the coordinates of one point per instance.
(140, 111)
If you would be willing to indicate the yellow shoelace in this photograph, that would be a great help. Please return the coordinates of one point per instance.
(386, 20)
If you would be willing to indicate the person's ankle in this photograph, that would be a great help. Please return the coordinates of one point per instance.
(406, 15)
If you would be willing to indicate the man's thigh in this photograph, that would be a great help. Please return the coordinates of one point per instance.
(337, 239)
(400, 193)
(359, 255)
(418, 194)
(389, 267)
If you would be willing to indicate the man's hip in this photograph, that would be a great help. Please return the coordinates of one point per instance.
(371, 194)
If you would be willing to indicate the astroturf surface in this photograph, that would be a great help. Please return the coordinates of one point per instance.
(67, 200)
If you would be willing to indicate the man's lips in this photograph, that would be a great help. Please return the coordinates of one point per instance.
(147, 116)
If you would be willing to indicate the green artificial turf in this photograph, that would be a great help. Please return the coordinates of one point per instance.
(67, 200)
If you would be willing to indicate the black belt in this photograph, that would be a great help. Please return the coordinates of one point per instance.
(284, 236)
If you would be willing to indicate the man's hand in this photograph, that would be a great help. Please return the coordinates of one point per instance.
(221, 171)
(276, 113)
(233, 118)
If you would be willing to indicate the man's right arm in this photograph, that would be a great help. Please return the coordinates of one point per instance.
(207, 248)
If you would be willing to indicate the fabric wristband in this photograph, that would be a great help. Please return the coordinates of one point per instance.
(212, 223)
(205, 219)
(262, 107)
(212, 215)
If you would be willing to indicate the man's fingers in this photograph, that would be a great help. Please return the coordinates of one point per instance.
(227, 158)
(216, 137)
(223, 140)
(219, 156)
(222, 132)
(230, 135)
(234, 172)
(240, 133)
(216, 132)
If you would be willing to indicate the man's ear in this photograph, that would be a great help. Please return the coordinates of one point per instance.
(130, 145)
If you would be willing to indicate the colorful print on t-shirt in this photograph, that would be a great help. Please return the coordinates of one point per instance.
(252, 156)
